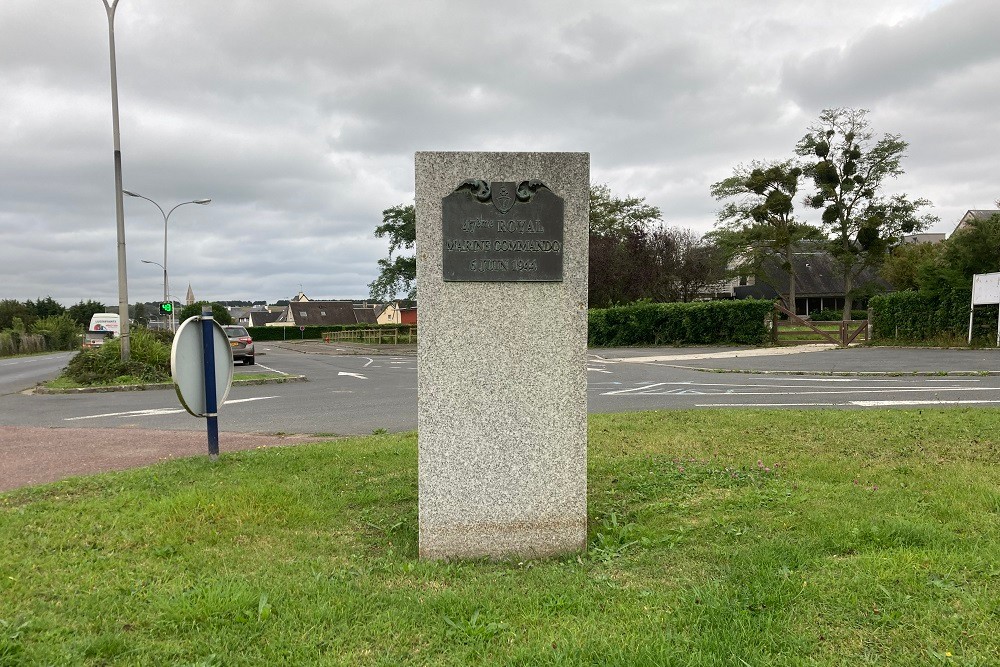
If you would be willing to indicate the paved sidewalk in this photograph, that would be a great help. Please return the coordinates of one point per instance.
(319, 347)
(31, 456)
(815, 359)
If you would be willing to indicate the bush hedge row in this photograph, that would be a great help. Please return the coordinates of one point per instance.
(921, 316)
(316, 332)
(744, 322)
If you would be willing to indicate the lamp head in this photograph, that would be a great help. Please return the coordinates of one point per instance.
(130, 194)
(201, 201)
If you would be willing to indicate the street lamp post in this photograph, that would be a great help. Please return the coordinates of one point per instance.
(166, 290)
(166, 217)
(119, 205)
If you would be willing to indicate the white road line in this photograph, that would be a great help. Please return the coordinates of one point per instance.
(131, 413)
(598, 370)
(634, 389)
(370, 362)
(955, 380)
(247, 400)
(154, 412)
(273, 370)
(353, 375)
(766, 405)
(860, 404)
(808, 393)
(877, 404)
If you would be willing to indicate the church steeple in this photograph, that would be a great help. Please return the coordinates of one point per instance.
(190, 296)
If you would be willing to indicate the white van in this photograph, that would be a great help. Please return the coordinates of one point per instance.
(102, 327)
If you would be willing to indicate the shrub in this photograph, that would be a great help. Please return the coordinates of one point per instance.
(60, 332)
(149, 361)
(316, 332)
(13, 341)
(700, 323)
(929, 316)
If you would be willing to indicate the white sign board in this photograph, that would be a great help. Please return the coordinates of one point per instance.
(187, 365)
(985, 289)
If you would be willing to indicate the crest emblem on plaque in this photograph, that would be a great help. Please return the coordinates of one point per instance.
(503, 198)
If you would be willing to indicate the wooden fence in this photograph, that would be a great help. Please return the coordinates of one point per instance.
(393, 336)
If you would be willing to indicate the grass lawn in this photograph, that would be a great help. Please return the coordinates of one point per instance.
(716, 538)
(64, 382)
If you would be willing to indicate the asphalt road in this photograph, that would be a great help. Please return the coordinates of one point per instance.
(357, 394)
(17, 373)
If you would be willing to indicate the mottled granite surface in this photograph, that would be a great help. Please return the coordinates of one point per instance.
(502, 386)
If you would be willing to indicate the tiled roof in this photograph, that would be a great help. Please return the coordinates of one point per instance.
(817, 274)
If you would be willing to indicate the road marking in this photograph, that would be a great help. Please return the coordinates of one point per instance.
(808, 393)
(634, 389)
(766, 405)
(370, 362)
(155, 412)
(598, 370)
(353, 375)
(273, 370)
(152, 412)
(878, 404)
(860, 404)
(247, 400)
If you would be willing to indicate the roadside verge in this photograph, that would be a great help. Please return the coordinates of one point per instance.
(159, 385)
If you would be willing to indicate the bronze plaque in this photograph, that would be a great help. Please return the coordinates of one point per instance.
(502, 232)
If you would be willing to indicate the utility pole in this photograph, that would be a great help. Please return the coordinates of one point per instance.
(119, 203)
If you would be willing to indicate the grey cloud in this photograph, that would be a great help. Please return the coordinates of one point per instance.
(299, 119)
(886, 60)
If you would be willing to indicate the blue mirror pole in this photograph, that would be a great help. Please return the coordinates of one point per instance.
(211, 407)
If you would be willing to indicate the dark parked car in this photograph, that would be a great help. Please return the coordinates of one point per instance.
(242, 344)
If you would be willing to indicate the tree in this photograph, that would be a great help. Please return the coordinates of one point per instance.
(47, 307)
(697, 263)
(614, 217)
(219, 312)
(397, 274)
(760, 217)
(85, 310)
(11, 309)
(139, 315)
(907, 261)
(974, 249)
(850, 170)
(625, 263)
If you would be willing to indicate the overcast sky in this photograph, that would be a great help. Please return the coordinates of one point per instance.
(300, 119)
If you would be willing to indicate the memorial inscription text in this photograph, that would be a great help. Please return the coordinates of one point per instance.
(502, 232)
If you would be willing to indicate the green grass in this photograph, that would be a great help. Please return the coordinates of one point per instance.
(716, 538)
(64, 382)
(259, 376)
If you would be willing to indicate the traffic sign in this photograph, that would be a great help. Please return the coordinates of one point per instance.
(187, 365)
(166, 308)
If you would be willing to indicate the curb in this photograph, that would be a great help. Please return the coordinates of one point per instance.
(160, 385)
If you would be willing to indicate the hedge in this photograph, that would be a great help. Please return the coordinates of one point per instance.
(316, 332)
(744, 322)
(920, 316)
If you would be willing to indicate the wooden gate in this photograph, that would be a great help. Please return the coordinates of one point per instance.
(800, 331)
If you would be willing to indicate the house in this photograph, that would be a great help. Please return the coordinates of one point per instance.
(261, 318)
(819, 282)
(975, 214)
(408, 315)
(303, 311)
(240, 315)
(922, 238)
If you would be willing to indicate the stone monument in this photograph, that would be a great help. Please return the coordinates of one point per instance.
(501, 356)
